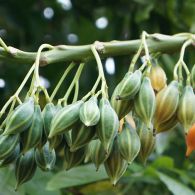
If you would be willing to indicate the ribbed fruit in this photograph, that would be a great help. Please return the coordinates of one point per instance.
(190, 137)
(157, 77)
(32, 136)
(115, 165)
(167, 125)
(25, 168)
(129, 85)
(8, 144)
(73, 159)
(11, 158)
(81, 135)
(147, 141)
(45, 158)
(65, 119)
(167, 101)
(186, 108)
(144, 103)
(48, 113)
(89, 112)
(55, 141)
(121, 107)
(109, 124)
(21, 118)
(97, 152)
(128, 143)
(67, 137)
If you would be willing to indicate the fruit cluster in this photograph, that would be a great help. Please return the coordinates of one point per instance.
(105, 131)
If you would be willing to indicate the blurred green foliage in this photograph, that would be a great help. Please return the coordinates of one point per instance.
(29, 23)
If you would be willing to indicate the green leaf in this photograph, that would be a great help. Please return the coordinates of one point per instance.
(173, 185)
(163, 162)
(77, 176)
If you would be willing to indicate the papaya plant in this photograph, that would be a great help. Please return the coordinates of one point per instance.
(75, 131)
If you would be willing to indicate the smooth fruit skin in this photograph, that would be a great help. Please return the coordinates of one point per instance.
(65, 119)
(145, 102)
(158, 77)
(186, 108)
(115, 165)
(108, 125)
(89, 112)
(20, 118)
(167, 101)
(128, 143)
(190, 140)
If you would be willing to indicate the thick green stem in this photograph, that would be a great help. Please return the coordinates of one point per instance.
(156, 43)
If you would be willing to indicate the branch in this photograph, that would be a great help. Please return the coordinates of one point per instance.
(61, 53)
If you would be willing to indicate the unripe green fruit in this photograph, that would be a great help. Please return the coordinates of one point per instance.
(109, 124)
(89, 112)
(145, 102)
(20, 118)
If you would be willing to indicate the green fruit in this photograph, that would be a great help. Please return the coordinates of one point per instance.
(186, 108)
(145, 102)
(55, 141)
(32, 136)
(25, 168)
(121, 107)
(21, 118)
(48, 113)
(97, 153)
(167, 101)
(45, 158)
(73, 159)
(109, 124)
(129, 86)
(67, 137)
(12, 157)
(65, 119)
(8, 144)
(128, 143)
(115, 165)
(89, 112)
(81, 136)
(147, 140)
(167, 125)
